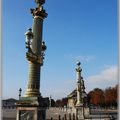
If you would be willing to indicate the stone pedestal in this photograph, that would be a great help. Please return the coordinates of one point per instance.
(31, 113)
(80, 113)
(32, 108)
(86, 112)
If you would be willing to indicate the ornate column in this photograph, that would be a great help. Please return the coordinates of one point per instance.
(33, 106)
(79, 92)
(79, 104)
(35, 54)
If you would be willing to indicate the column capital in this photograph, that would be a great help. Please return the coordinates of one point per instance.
(39, 11)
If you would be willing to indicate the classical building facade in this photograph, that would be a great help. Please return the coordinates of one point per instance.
(72, 99)
(9, 103)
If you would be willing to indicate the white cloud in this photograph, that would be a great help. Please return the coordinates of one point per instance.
(105, 78)
(108, 74)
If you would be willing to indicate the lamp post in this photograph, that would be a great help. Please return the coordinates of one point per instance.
(29, 38)
(32, 104)
(20, 90)
(36, 50)
(50, 102)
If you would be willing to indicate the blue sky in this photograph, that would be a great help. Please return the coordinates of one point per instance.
(84, 30)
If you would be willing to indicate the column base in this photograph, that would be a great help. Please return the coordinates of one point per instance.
(32, 108)
(31, 113)
(80, 113)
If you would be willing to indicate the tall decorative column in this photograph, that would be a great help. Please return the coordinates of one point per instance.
(79, 92)
(32, 104)
(35, 54)
(79, 104)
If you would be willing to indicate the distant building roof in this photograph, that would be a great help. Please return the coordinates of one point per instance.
(72, 94)
(10, 100)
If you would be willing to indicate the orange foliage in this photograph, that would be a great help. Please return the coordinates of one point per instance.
(104, 97)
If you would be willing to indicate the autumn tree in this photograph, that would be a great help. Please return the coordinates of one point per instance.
(64, 102)
(96, 97)
(61, 102)
(104, 98)
(58, 103)
(111, 95)
(52, 103)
